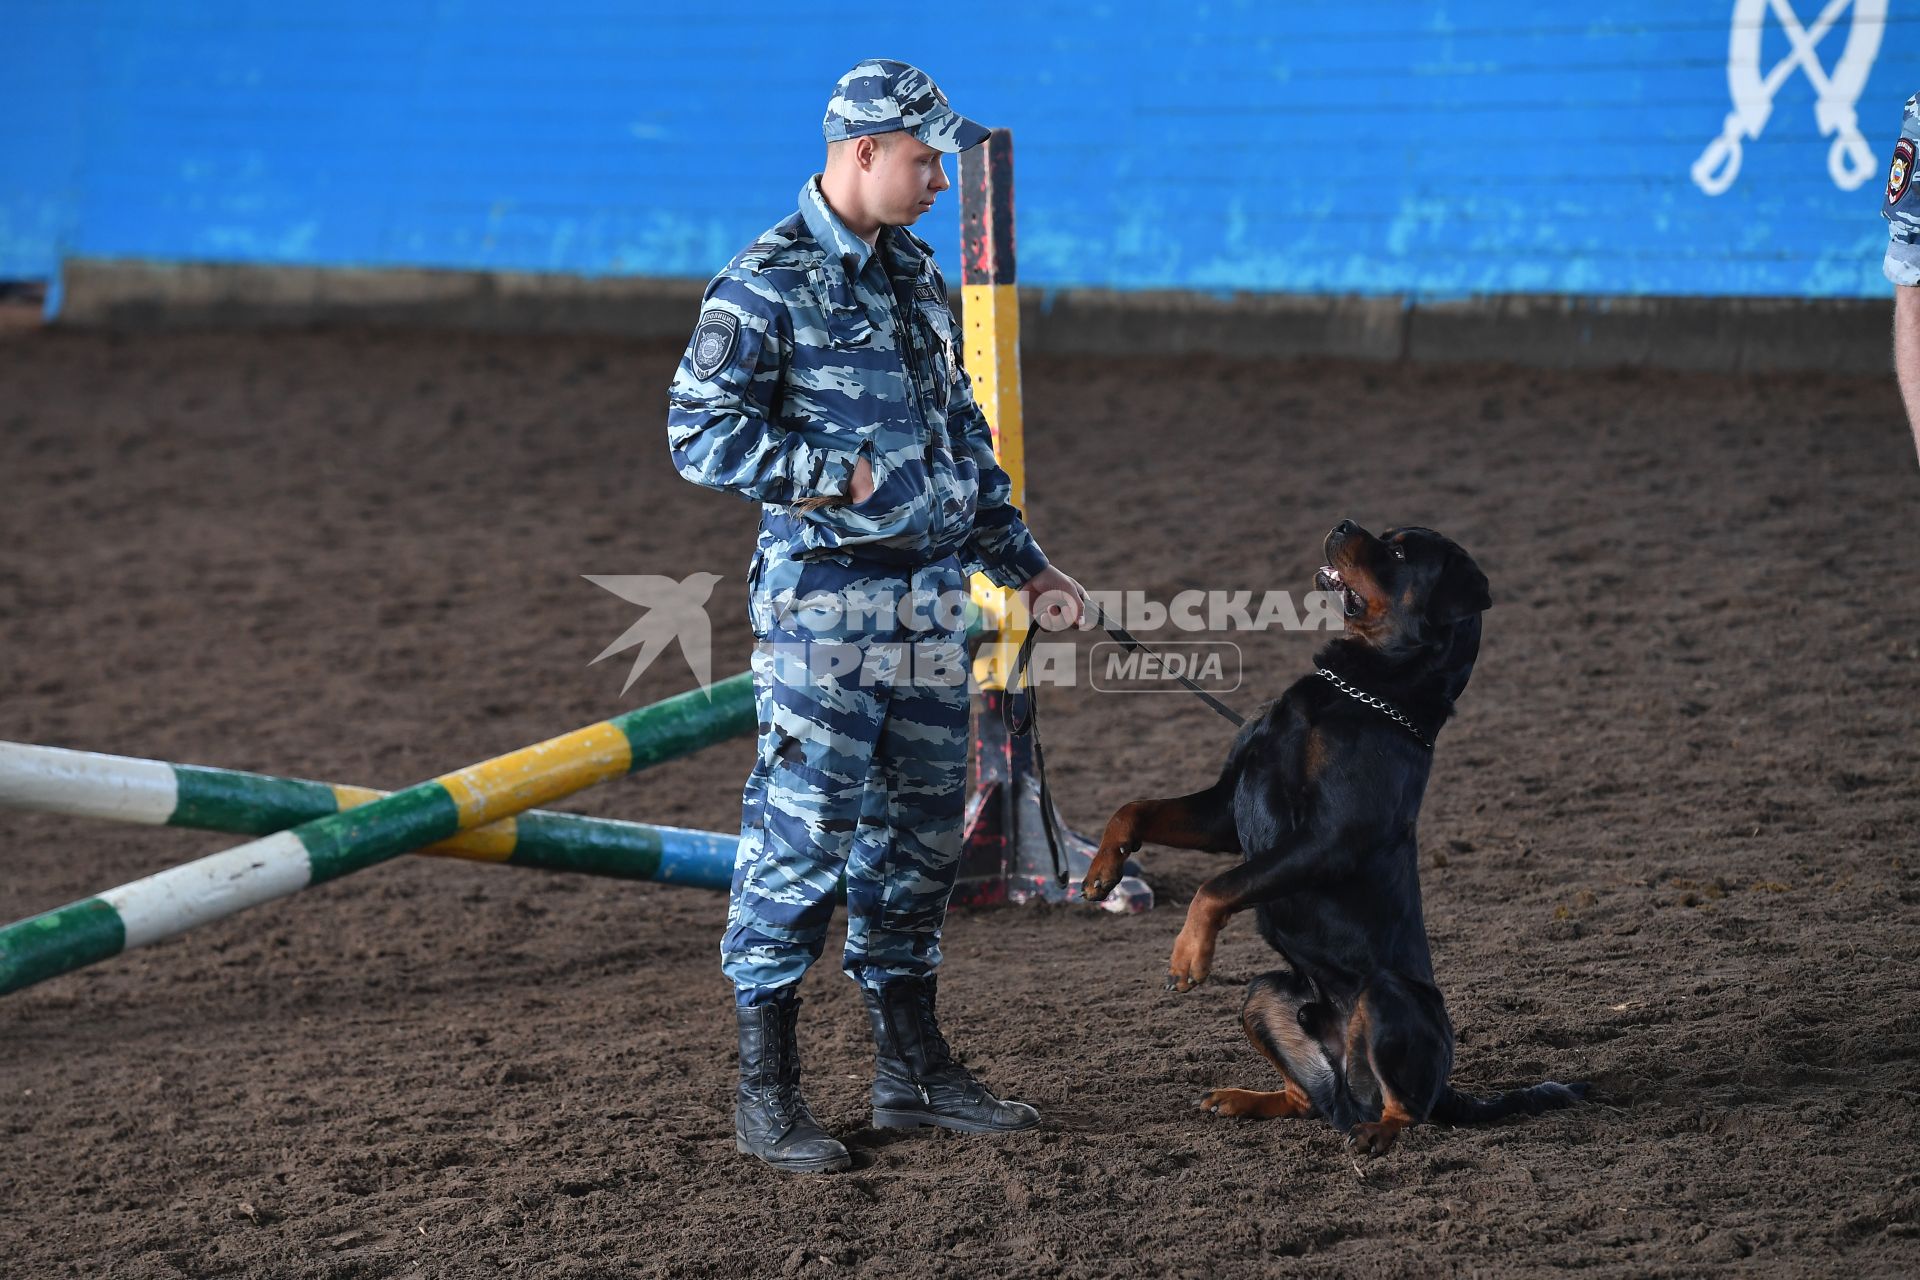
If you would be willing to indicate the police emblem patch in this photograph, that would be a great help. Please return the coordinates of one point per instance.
(1900, 172)
(714, 341)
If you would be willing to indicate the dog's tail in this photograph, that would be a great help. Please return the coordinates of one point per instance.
(1466, 1108)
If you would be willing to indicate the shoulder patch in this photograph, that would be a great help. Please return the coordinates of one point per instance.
(715, 339)
(756, 254)
(771, 243)
(1900, 172)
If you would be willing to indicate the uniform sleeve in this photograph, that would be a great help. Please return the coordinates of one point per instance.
(1899, 206)
(1000, 545)
(721, 410)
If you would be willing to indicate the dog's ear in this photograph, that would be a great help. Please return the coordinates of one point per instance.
(1460, 593)
(1463, 646)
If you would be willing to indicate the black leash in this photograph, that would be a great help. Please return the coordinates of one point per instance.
(1028, 724)
(1126, 637)
(1020, 726)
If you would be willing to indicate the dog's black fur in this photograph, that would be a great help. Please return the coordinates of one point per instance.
(1321, 792)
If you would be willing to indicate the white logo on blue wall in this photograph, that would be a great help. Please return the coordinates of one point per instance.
(1849, 162)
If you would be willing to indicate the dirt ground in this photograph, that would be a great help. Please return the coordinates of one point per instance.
(1668, 846)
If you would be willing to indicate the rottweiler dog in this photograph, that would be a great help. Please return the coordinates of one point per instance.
(1321, 795)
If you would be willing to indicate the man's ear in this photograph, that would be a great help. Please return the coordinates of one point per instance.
(1461, 592)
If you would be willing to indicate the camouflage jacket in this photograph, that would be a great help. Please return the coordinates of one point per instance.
(812, 351)
(1900, 206)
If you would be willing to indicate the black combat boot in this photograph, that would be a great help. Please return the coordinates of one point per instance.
(915, 1079)
(770, 1118)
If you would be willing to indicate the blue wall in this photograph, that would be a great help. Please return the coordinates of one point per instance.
(1369, 146)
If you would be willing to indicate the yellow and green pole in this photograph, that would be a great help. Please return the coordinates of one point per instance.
(92, 784)
(340, 844)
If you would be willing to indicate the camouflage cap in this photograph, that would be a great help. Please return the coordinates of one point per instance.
(881, 95)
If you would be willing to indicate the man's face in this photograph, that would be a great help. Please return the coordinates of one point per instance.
(906, 176)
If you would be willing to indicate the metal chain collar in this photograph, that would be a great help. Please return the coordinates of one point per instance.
(1378, 704)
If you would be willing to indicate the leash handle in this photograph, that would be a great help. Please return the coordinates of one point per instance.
(1022, 724)
(1019, 724)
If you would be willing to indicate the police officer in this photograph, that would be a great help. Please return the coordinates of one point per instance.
(824, 381)
(1901, 208)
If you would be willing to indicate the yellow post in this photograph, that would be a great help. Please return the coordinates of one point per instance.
(991, 306)
(993, 357)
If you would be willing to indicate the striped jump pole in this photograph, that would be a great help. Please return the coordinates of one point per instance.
(89, 784)
(282, 864)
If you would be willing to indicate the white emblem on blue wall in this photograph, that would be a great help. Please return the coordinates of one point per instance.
(1849, 162)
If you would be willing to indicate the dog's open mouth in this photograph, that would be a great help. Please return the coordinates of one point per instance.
(1329, 579)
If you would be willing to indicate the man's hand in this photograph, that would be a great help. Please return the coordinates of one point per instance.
(859, 489)
(1054, 600)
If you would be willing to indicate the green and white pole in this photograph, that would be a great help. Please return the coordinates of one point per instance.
(90, 784)
(282, 864)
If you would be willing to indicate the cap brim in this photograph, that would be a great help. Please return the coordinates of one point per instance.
(951, 132)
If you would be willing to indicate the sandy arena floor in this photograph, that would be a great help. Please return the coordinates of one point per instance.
(1668, 848)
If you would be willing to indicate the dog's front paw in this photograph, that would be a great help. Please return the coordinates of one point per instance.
(1192, 960)
(1373, 1137)
(1108, 866)
(1255, 1104)
(1237, 1102)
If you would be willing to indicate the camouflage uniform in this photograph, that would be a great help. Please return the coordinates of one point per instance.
(1899, 206)
(812, 351)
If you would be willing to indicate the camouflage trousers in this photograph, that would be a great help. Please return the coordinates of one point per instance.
(861, 772)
